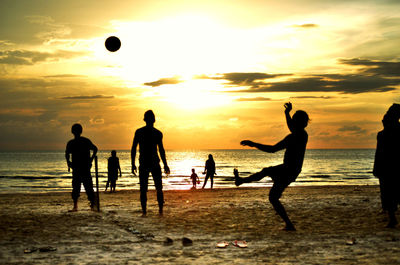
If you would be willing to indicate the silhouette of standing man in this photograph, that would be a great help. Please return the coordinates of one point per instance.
(150, 143)
(284, 174)
(79, 148)
(386, 165)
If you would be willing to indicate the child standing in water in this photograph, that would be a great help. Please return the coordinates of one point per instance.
(113, 169)
(195, 179)
(286, 173)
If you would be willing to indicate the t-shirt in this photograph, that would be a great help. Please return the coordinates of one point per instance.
(113, 165)
(148, 139)
(80, 148)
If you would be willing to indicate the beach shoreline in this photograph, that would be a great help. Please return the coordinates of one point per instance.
(335, 225)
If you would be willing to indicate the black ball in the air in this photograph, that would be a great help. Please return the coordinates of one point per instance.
(113, 44)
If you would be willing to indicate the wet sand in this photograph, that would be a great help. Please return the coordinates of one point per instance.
(335, 225)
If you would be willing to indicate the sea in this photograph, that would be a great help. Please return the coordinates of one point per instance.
(46, 171)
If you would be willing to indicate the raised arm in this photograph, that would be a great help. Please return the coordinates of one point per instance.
(162, 155)
(288, 108)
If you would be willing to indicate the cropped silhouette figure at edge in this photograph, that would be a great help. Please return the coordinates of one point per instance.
(282, 175)
(386, 164)
(113, 168)
(149, 140)
(79, 149)
(209, 170)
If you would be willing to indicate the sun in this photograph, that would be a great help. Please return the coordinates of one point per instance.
(184, 45)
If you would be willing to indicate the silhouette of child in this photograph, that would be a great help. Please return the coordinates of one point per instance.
(209, 170)
(195, 179)
(386, 165)
(284, 174)
(113, 169)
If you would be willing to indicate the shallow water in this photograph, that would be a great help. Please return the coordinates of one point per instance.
(47, 171)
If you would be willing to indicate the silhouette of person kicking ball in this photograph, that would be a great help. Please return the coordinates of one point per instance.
(149, 139)
(282, 175)
(386, 165)
(79, 148)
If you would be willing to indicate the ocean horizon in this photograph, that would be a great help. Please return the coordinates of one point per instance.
(46, 171)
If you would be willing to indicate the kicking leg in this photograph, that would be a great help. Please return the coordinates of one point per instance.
(254, 177)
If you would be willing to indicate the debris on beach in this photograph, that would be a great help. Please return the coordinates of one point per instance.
(168, 242)
(47, 249)
(187, 242)
(133, 231)
(222, 244)
(240, 243)
(30, 250)
(41, 249)
(352, 241)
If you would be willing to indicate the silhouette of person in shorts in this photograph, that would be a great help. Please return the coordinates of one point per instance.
(150, 144)
(286, 173)
(78, 150)
(113, 168)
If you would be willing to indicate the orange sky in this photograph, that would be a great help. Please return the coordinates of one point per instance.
(214, 72)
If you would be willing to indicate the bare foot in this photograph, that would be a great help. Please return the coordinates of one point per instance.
(392, 224)
(73, 210)
(289, 228)
(238, 180)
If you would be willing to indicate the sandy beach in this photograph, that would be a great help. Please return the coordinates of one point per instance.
(335, 225)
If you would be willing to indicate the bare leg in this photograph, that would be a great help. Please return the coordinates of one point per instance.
(160, 199)
(254, 177)
(75, 209)
(274, 195)
(392, 219)
(205, 181)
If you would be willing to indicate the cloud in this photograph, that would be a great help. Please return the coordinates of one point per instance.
(164, 81)
(375, 67)
(314, 97)
(88, 97)
(254, 99)
(374, 76)
(25, 57)
(308, 25)
(354, 129)
(348, 84)
(243, 79)
(64, 76)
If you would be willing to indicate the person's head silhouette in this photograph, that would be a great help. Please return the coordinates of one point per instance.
(76, 129)
(300, 119)
(192, 170)
(149, 117)
(394, 111)
(113, 153)
(210, 157)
